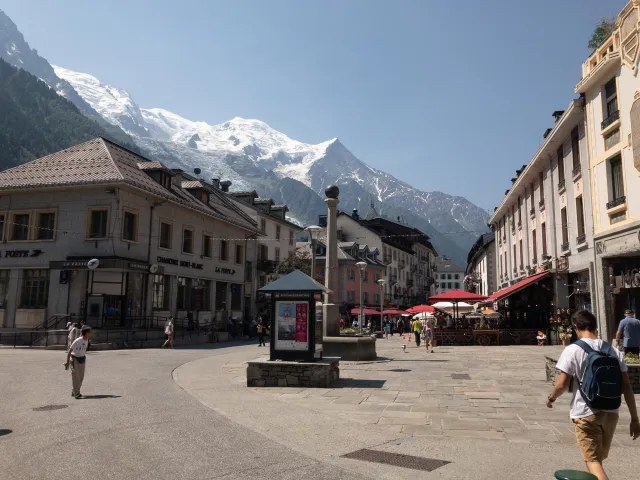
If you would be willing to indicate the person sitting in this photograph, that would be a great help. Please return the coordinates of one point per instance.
(542, 338)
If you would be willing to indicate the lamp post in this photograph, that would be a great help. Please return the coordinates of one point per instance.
(381, 282)
(314, 232)
(362, 266)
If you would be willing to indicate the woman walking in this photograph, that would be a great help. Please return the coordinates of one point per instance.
(168, 333)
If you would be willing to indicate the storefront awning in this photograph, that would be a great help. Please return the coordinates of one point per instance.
(516, 287)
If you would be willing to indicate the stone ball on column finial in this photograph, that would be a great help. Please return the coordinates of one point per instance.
(332, 191)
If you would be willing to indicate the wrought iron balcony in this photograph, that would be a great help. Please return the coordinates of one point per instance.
(519, 224)
(561, 185)
(564, 247)
(580, 239)
(401, 264)
(387, 260)
(532, 212)
(610, 119)
(541, 204)
(614, 203)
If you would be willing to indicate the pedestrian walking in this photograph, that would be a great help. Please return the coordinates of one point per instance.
(629, 333)
(76, 357)
(417, 331)
(600, 379)
(387, 327)
(260, 329)
(427, 334)
(74, 332)
(169, 332)
(400, 327)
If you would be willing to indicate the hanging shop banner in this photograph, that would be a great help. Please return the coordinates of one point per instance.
(292, 320)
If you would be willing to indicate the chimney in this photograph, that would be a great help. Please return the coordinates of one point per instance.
(557, 115)
(215, 182)
(355, 215)
(546, 132)
(224, 185)
(322, 220)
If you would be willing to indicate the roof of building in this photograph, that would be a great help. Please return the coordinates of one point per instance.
(155, 166)
(295, 281)
(101, 162)
(446, 265)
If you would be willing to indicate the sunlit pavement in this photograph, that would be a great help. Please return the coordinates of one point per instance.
(187, 413)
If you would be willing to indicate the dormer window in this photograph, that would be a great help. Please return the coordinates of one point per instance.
(165, 180)
(203, 196)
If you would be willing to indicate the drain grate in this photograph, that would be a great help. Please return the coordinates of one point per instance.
(460, 376)
(5, 431)
(397, 459)
(48, 408)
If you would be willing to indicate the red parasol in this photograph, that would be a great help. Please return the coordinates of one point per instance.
(457, 296)
(421, 309)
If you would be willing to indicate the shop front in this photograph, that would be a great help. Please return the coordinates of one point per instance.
(512, 316)
(105, 291)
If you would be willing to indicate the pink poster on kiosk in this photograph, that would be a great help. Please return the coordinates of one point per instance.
(302, 312)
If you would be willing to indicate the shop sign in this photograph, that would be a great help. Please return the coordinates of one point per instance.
(138, 266)
(228, 271)
(562, 264)
(21, 253)
(631, 278)
(180, 263)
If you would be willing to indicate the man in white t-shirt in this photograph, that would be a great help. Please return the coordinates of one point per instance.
(76, 356)
(594, 428)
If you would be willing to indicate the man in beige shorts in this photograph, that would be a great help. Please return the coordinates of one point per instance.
(594, 428)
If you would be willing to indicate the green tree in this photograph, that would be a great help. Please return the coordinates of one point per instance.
(297, 260)
(603, 31)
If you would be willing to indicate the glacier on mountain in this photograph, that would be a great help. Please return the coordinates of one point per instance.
(255, 156)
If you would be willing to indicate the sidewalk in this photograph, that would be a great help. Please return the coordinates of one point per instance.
(477, 407)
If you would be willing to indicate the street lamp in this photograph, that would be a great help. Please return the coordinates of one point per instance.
(314, 232)
(362, 266)
(381, 282)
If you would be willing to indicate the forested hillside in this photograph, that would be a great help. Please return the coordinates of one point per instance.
(35, 120)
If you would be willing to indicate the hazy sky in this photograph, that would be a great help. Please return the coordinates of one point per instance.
(449, 96)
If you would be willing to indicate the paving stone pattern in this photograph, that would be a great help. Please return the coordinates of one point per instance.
(422, 394)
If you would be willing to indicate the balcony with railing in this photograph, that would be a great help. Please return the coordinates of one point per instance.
(393, 278)
(561, 185)
(580, 239)
(541, 204)
(616, 203)
(564, 247)
(401, 264)
(577, 170)
(387, 259)
(532, 212)
(610, 120)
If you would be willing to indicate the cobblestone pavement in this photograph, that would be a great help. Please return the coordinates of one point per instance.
(494, 393)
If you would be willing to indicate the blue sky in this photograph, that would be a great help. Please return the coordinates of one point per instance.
(449, 96)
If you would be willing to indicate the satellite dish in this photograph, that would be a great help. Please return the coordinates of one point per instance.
(93, 264)
(197, 171)
(153, 268)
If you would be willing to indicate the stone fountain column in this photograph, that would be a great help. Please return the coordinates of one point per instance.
(331, 308)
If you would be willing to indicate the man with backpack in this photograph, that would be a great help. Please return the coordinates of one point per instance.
(600, 379)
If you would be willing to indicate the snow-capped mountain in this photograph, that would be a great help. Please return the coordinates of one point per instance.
(16, 51)
(253, 155)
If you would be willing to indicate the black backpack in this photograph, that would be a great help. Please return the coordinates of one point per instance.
(601, 386)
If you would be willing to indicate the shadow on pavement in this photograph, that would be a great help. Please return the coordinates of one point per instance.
(354, 382)
(99, 397)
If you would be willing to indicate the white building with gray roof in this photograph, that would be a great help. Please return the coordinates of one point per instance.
(166, 242)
